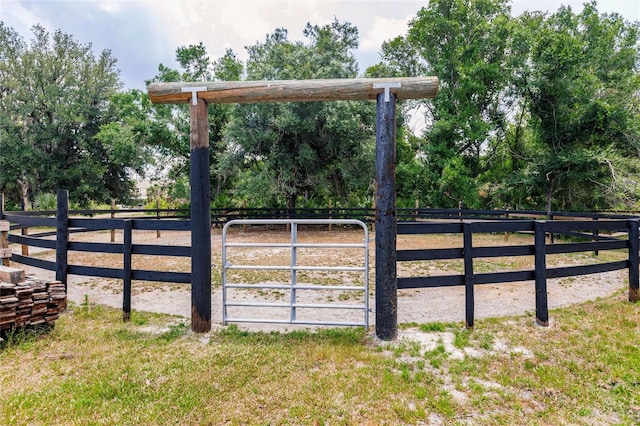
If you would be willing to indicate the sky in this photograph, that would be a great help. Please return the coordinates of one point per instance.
(142, 34)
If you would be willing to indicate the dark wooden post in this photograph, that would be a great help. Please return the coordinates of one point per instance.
(469, 280)
(506, 233)
(385, 222)
(127, 250)
(596, 233)
(634, 252)
(158, 235)
(540, 273)
(200, 218)
(62, 235)
(5, 227)
(113, 216)
(552, 237)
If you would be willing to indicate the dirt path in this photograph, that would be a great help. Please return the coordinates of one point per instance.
(424, 305)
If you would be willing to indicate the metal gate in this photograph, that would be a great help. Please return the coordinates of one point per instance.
(276, 280)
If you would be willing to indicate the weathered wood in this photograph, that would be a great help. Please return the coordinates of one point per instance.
(294, 90)
(25, 248)
(11, 275)
(62, 236)
(127, 250)
(540, 261)
(200, 219)
(634, 264)
(385, 223)
(5, 251)
(469, 278)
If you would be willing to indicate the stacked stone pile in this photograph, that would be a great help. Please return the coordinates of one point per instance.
(28, 303)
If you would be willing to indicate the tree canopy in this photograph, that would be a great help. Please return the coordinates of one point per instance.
(537, 111)
(313, 150)
(56, 98)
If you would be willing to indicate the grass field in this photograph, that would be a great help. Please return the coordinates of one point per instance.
(93, 369)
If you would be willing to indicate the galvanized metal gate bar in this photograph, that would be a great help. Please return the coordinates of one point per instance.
(293, 245)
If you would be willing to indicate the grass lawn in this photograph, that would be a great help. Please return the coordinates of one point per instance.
(93, 369)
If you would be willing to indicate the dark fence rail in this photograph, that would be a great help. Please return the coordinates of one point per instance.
(220, 216)
(64, 224)
(588, 236)
(585, 232)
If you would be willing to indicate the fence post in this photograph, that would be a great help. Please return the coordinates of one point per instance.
(62, 236)
(330, 215)
(5, 251)
(373, 207)
(158, 215)
(127, 250)
(113, 215)
(469, 279)
(552, 237)
(4, 233)
(386, 218)
(634, 252)
(595, 235)
(540, 273)
(199, 177)
(506, 233)
(244, 207)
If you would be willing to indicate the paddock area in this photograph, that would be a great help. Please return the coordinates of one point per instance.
(442, 304)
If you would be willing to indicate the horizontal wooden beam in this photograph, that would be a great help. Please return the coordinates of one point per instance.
(293, 90)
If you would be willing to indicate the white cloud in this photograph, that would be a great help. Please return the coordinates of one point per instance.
(22, 17)
(144, 33)
(383, 29)
(109, 6)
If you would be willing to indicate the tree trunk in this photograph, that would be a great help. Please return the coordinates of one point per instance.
(550, 186)
(24, 192)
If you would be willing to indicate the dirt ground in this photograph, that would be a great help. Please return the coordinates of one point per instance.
(421, 306)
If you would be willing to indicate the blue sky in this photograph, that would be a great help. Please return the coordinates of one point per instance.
(144, 33)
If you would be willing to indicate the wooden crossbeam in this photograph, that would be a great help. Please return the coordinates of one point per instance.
(294, 90)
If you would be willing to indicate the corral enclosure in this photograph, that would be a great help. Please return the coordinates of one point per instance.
(414, 305)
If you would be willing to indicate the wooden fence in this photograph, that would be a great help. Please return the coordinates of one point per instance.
(65, 225)
(594, 232)
(595, 236)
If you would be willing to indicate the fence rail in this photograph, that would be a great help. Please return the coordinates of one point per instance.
(582, 232)
(66, 225)
(585, 230)
(220, 216)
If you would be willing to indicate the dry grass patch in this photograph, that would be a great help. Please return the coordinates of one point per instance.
(93, 369)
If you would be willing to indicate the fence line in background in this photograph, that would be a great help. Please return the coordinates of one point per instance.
(594, 232)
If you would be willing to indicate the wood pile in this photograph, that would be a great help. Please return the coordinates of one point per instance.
(29, 303)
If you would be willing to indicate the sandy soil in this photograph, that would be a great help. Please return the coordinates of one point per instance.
(421, 306)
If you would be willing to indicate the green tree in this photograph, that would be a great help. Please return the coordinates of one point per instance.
(55, 100)
(307, 150)
(580, 87)
(464, 43)
(170, 123)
